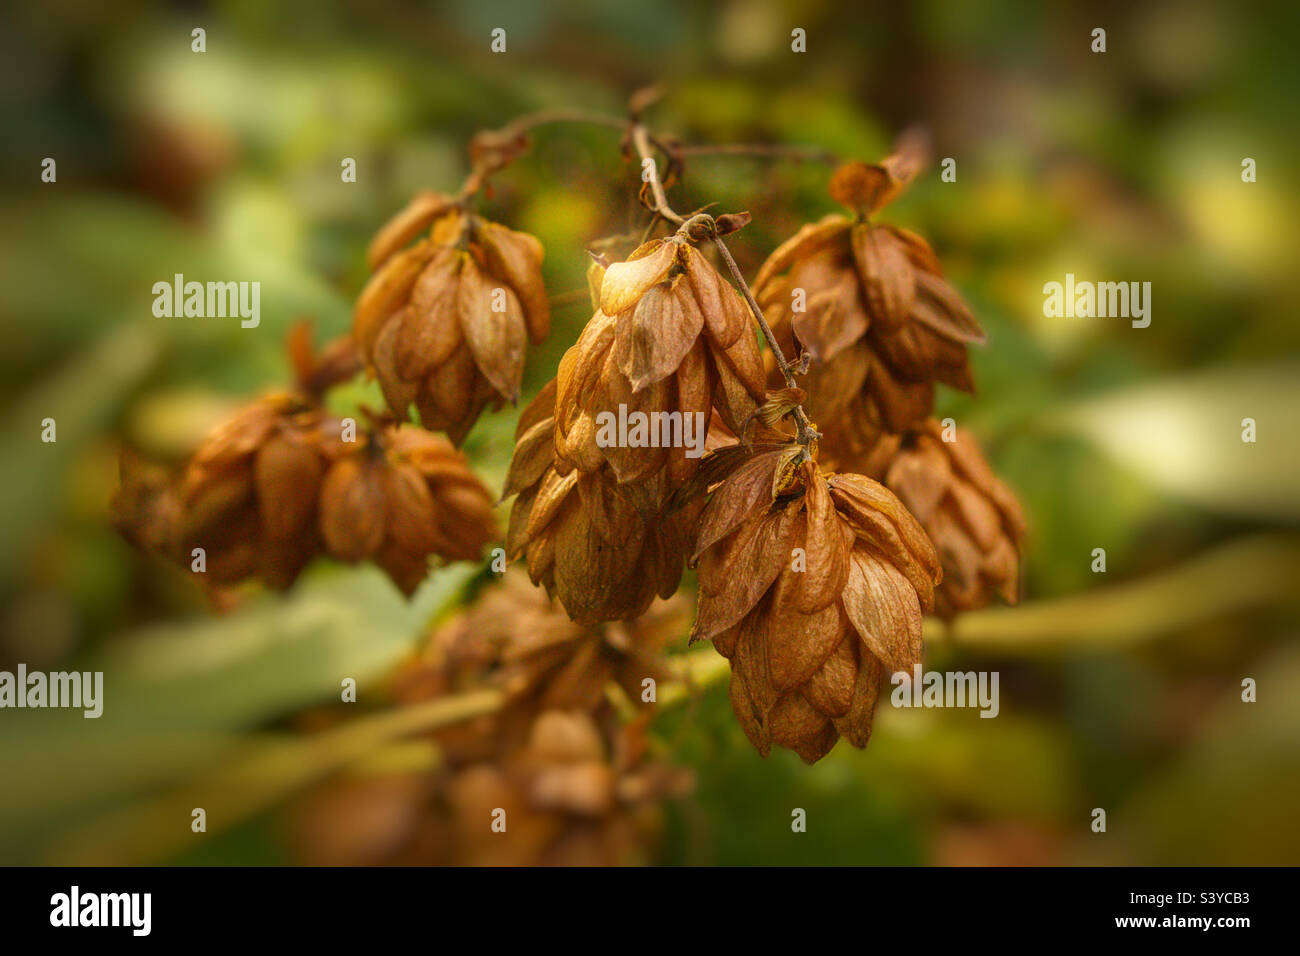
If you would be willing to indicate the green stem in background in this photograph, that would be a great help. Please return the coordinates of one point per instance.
(268, 771)
(1257, 571)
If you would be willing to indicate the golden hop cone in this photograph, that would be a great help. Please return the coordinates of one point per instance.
(670, 335)
(974, 520)
(247, 497)
(403, 496)
(603, 549)
(813, 587)
(444, 323)
(878, 320)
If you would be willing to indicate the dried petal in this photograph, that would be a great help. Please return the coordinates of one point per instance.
(492, 322)
(406, 224)
(626, 282)
(352, 510)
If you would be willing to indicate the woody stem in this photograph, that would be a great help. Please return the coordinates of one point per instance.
(645, 144)
(807, 434)
(641, 140)
(798, 153)
(812, 154)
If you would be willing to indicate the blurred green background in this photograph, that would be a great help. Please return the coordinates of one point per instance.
(1119, 690)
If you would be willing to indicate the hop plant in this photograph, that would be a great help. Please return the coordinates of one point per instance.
(246, 501)
(813, 587)
(670, 335)
(444, 323)
(603, 549)
(818, 549)
(879, 322)
(974, 519)
(514, 638)
(403, 496)
(573, 794)
(277, 484)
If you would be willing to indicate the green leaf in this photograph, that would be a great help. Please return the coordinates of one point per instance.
(176, 696)
(1184, 436)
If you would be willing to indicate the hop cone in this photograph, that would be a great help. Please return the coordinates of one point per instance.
(974, 520)
(444, 323)
(813, 587)
(878, 320)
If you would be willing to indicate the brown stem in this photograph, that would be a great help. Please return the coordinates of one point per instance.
(708, 228)
(814, 154)
(641, 140)
(807, 434)
(645, 144)
(522, 124)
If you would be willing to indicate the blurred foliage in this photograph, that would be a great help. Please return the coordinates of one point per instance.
(1123, 166)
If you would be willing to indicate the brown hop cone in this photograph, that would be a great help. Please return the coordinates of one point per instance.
(670, 335)
(444, 323)
(514, 638)
(974, 520)
(315, 371)
(603, 549)
(398, 498)
(571, 797)
(247, 496)
(144, 507)
(810, 632)
(878, 320)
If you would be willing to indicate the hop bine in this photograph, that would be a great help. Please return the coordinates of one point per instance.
(812, 583)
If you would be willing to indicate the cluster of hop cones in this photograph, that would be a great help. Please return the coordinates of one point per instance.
(830, 514)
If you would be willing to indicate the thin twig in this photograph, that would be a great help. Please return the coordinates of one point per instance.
(642, 142)
(807, 434)
(813, 154)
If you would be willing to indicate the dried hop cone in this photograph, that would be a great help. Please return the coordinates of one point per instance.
(514, 638)
(602, 548)
(813, 587)
(444, 323)
(404, 495)
(569, 797)
(671, 337)
(247, 497)
(869, 305)
(601, 450)
(974, 520)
